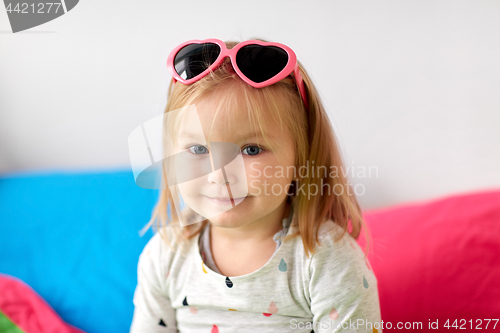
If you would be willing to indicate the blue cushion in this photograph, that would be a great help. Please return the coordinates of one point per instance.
(74, 238)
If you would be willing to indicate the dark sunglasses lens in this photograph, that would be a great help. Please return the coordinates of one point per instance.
(194, 59)
(260, 63)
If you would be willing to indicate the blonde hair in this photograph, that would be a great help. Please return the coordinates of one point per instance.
(314, 141)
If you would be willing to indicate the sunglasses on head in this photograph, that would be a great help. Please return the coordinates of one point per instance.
(259, 64)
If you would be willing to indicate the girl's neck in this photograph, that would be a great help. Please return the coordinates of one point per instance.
(256, 232)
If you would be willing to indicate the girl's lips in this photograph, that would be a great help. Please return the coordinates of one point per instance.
(225, 201)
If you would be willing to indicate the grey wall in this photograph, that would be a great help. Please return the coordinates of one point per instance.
(412, 87)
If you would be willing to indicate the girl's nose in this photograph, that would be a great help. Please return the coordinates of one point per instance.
(221, 177)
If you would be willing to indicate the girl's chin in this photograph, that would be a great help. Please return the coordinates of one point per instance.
(225, 221)
(230, 216)
(217, 208)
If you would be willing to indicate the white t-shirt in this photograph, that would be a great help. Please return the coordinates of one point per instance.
(334, 290)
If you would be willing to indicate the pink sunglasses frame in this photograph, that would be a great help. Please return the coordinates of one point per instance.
(291, 66)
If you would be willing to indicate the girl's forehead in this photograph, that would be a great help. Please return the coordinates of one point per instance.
(234, 115)
(230, 123)
(239, 110)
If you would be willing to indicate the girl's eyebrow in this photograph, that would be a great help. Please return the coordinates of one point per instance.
(254, 135)
(190, 134)
(187, 134)
(250, 136)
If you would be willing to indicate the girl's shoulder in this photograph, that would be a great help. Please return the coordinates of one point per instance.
(159, 255)
(341, 279)
(340, 254)
(328, 230)
(334, 244)
(333, 235)
(162, 247)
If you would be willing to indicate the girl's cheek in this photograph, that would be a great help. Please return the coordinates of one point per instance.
(253, 168)
(255, 176)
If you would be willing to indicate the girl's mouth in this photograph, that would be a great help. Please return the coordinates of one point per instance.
(225, 201)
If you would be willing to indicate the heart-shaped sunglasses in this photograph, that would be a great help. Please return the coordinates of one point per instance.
(258, 63)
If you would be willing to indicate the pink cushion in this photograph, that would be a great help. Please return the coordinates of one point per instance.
(438, 260)
(22, 309)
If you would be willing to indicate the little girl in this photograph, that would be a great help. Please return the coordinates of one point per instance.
(266, 241)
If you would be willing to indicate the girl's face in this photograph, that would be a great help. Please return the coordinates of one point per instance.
(250, 188)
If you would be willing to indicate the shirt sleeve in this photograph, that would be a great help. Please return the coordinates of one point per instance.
(343, 288)
(152, 308)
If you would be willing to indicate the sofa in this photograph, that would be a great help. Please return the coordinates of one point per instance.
(73, 237)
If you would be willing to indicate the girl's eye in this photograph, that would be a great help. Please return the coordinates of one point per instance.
(198, 149)
(252, 150)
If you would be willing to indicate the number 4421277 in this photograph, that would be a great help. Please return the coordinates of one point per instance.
(479, 324)
(48, 7)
